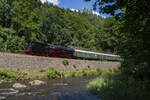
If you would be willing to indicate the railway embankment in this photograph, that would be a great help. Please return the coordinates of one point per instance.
(20, 61)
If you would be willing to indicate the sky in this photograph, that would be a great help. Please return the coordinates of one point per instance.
(75, 5)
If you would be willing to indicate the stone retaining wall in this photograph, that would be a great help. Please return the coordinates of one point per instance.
(18, 61)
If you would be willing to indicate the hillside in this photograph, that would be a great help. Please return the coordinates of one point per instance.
(24, 21)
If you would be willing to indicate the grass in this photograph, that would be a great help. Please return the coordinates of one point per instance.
(112, 85)
(16, 75)
(82, 72)
(43, 70)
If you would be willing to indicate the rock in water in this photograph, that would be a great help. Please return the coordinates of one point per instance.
(18, 85)
(36, 82)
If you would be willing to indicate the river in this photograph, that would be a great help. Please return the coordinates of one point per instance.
(59, 89)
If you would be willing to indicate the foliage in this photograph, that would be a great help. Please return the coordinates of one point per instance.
(9, 75)
(53, 73)
(136, 40)
(10, 42)
(85, 72)
(65, 62)
(132, 35)
(5, 12)
(24, 20)
(30, 20)
(115, 86)
(133, 43)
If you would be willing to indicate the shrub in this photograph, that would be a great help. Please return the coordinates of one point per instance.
(52, 73)
(9, 75)
(65, 62)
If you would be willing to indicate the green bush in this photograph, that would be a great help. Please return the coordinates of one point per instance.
(65, 62)
(9, 75)
(52, 73)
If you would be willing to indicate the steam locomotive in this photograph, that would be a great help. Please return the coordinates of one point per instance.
(45, 49)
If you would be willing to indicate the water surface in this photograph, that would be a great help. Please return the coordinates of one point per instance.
(60, 89)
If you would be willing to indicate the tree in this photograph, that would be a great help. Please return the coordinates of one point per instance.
(9, 42)
(30, 20)
(134, 31)
(25, 19)
(5, 13)
(107, 38)
(65, 27)
(53, 25)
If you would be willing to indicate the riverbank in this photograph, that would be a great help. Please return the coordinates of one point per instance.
(114, 85)
(32, 84)
(50, 73)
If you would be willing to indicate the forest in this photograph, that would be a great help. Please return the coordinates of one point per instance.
(24, 21)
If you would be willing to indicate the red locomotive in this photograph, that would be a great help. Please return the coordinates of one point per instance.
(45, 49)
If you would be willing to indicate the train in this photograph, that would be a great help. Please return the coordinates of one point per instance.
(39, 48)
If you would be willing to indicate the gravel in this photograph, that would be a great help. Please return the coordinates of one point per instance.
(21, 61)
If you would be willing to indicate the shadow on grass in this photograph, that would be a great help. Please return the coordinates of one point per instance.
(113, 85)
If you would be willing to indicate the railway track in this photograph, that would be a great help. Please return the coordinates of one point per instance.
(16, 54)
